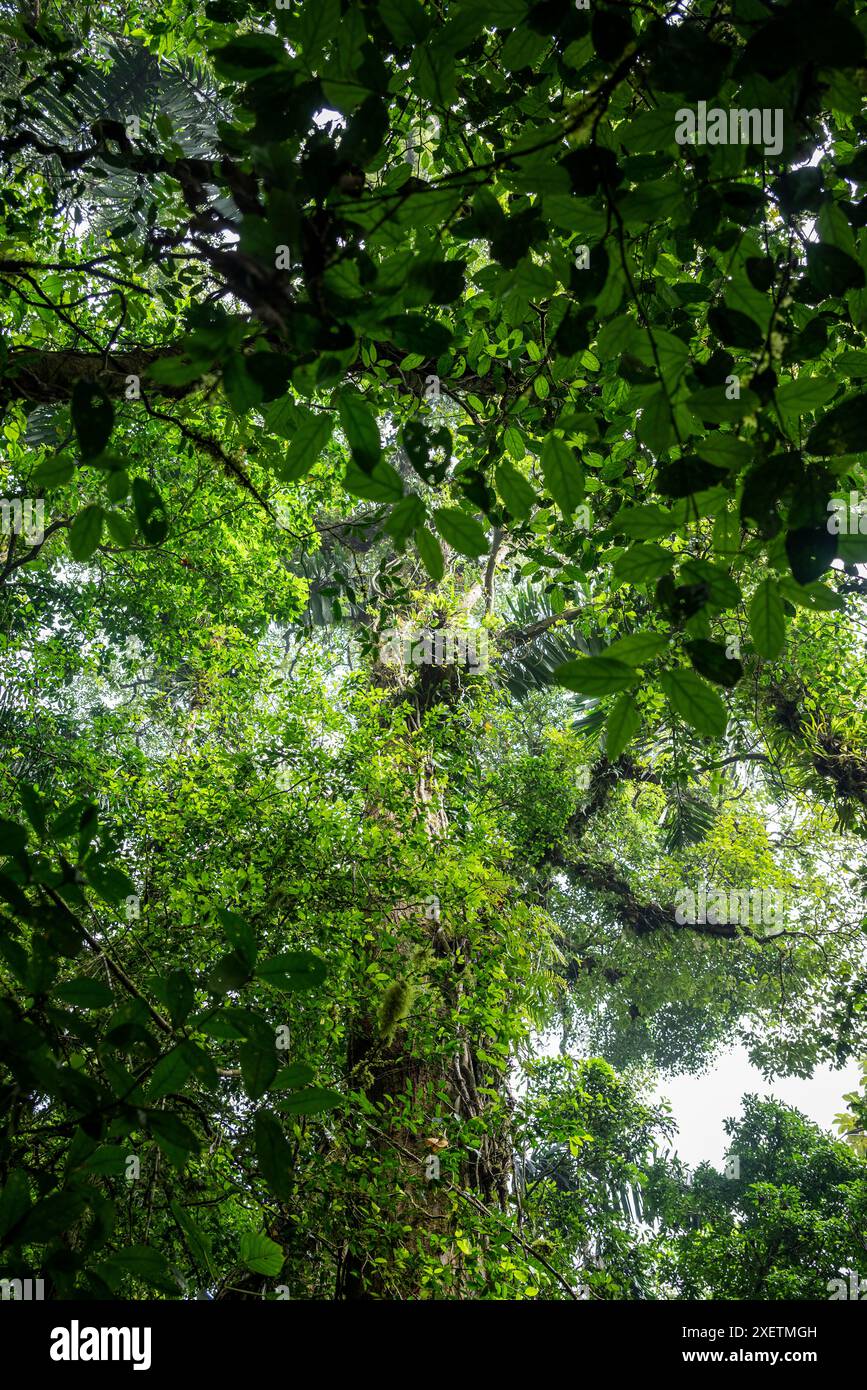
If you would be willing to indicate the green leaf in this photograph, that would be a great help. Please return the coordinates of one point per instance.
(51, 1217)
(518, 495)
(522, 48)
(843, 430)
(180, 996)
(595, 675)
(110, 883)
(806, 394)
(637, 648)
(832, 270)
(109, 1160)
(308, 442)
(261, 1254)
(86, 992)
(170, 1073)
(232, 1022)
(271, 373)
(198, 1241)
(382, 484)
(624, 718)
(150, 512)
(174, 1137)
(710, 660)
(54, 472)
(430, 553)
(144, 1263)
(175, 371)
(92, 416)
(721, 588)
(405, 20)
(242, 390)
(724, 450)
(85, 533)
(120, 529)
(695, 702)
(434, 72)
(461, 531)
(816, 597)
(810, 551)
(734, 328)
(258, 1068)
(563, 474)
(249, 56)
(645, 522)
(655, 427)
(651, 130)
(768, 620)
(291, 1077)
(361, 430)
(405, 518)
(230, 972)
(651, 202)
(239, 934)
(293, 970)
(641, 564)
(311, 1101)
(274, 1155)
(714, 405)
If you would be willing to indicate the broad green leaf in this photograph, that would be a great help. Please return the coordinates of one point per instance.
(710, 660)
(646, 522)
(150, 512)
(695, 702)
(405, 517)
(806, 394)
(198, 1241)
(842, 430)
(54, 472)
(92, 418)
(359, 425)
(623, 721)
(249, 56)
(86, 992)
(258, 1068)
(382, 484)
(431, 553)
(461, 531)
(170, 1073)
(641, 564)
(274, 1155)
(595, 675)
(563, 474)
(716, 404)
(85, 533)
(144, 1263)
(767, 620)
(261, 1254)
(293, 970)
(518, 495)
(292, 1077)
(637, 648)
(307, 443)
(312, 1100)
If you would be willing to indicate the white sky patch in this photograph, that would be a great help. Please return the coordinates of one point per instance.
(700, 1104)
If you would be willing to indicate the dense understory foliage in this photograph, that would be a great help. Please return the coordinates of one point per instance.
(328, 328)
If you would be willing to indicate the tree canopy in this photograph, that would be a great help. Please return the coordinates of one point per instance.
(432, 625)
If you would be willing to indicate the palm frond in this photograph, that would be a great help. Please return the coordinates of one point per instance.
(531, 662)
(686, 821)
(127, 82)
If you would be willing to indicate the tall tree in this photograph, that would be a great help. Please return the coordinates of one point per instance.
(431, 620)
